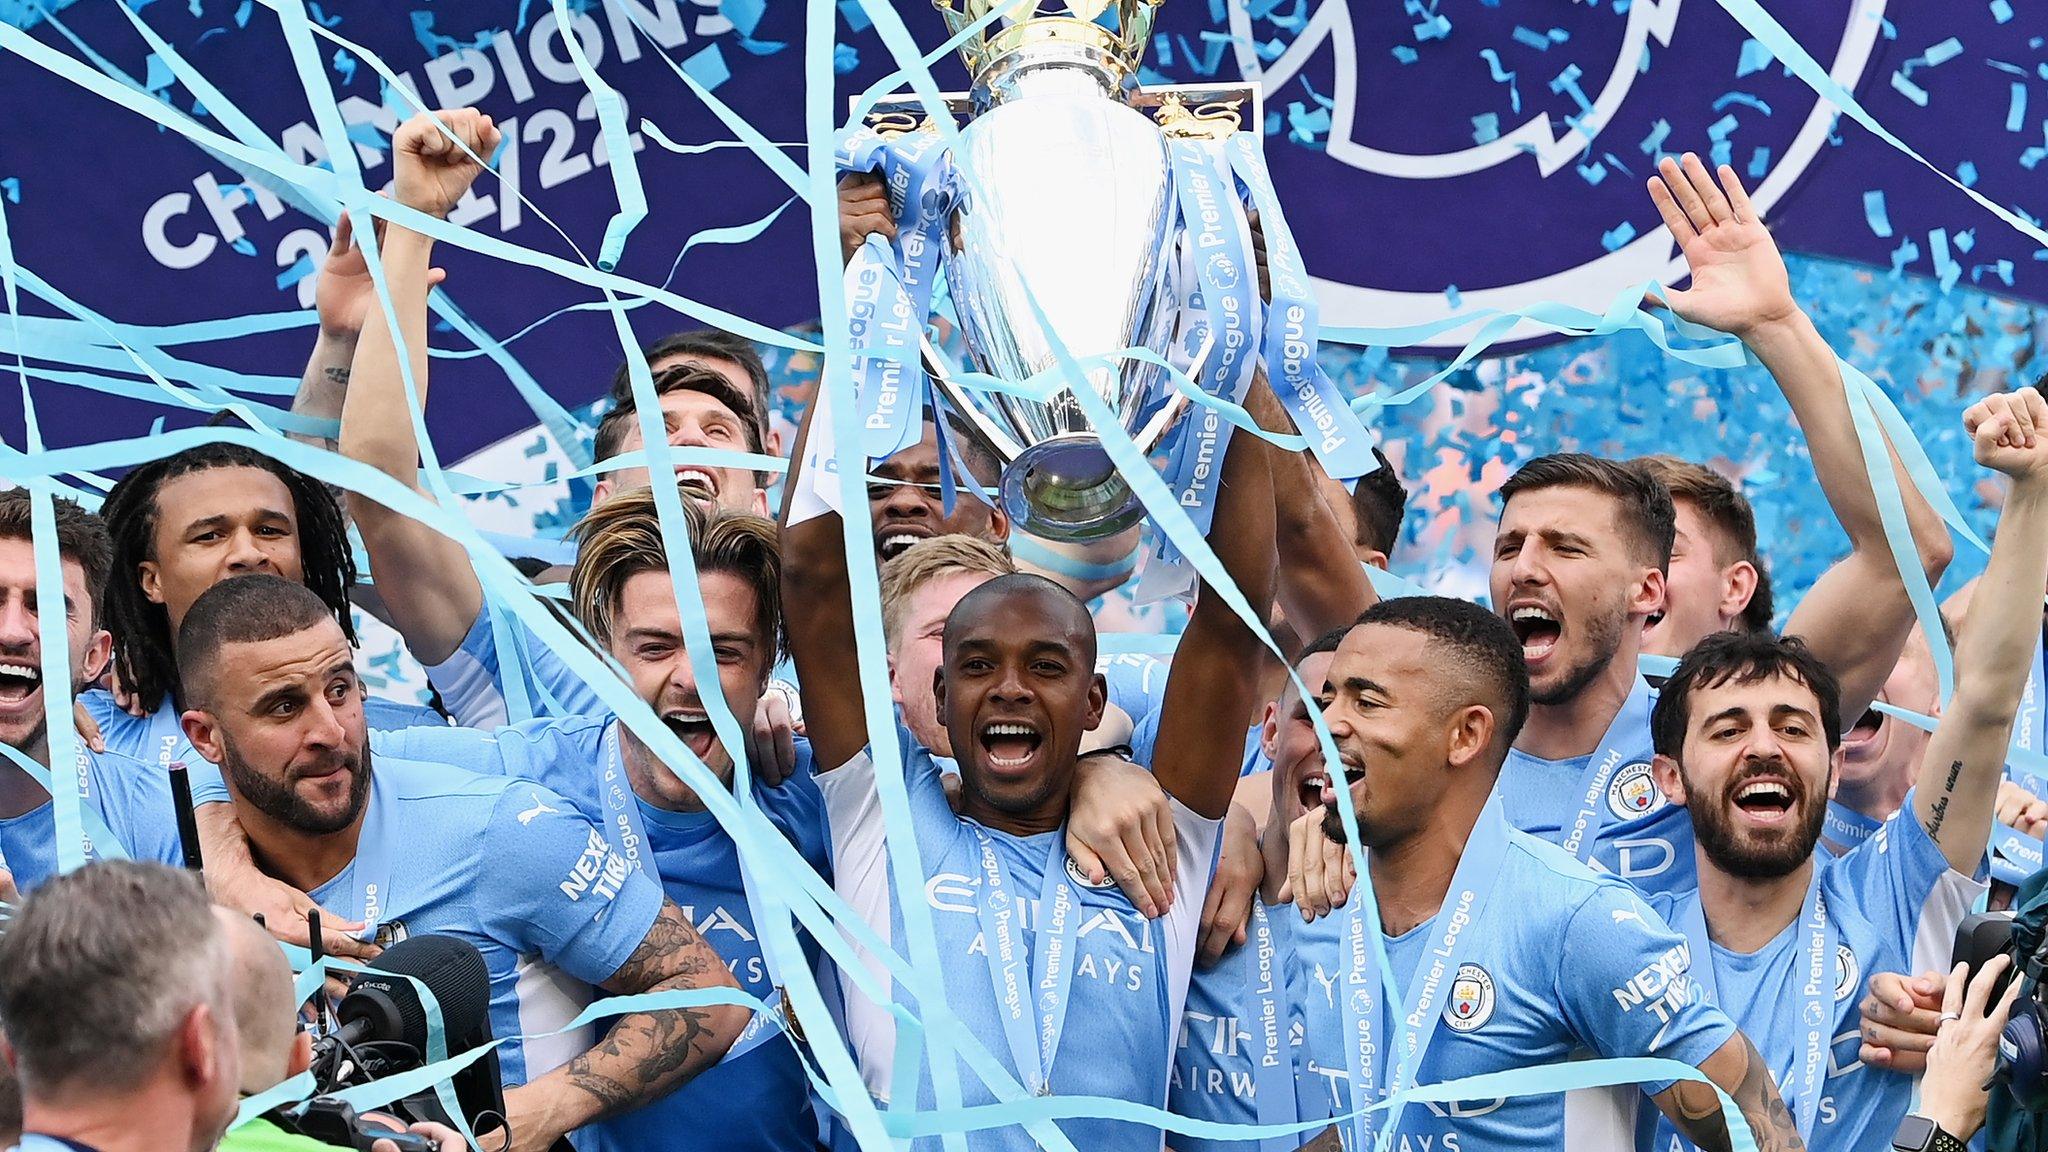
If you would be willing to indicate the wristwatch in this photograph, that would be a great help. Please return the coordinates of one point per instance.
(1919, 1134)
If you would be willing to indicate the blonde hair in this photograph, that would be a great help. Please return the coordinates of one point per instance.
(621, 538)
(926, 561)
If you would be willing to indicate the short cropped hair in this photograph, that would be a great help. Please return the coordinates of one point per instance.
(1328, 642)
(926, 561)
(1645, 512)
(705, 344)
(1477, 645)
(1729, 517)
(1379, 503)
(82, 538)
(621, 538)
(244, 610)
(611, 430)
(1741, 658)
(99, 969)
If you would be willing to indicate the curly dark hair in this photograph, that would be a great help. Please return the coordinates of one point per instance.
(143, 652)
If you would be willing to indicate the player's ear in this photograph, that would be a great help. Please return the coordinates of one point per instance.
(1670, 780)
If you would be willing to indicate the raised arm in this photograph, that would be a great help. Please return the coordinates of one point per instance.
(817, 611)
(1959, 773)
(1214, 684)
(1856, 616)
(645, 1055)
(1319, 583)
(441, 597)
(1740, 1071)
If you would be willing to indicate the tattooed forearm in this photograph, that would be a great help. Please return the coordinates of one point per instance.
(1695, 1109)
(1939, 811)
(647, 1054)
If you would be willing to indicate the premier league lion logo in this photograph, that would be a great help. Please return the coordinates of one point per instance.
(1471, 1003)
(1505, 154)
(1633, 792)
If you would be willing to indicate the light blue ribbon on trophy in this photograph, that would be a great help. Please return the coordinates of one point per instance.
(2027, 729)
(1816, 997)
(1292, 329)
(1223, 332)
(1617, 746)
(889, 286)
(1389, 1055)
(2014, 854)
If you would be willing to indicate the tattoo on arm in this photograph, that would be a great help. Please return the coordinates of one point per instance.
(1939, 811)
(1696, 1109)
(646, 1054)
(336, 376)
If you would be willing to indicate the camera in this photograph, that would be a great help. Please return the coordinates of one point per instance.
(383, 1028)
(2023, 1045)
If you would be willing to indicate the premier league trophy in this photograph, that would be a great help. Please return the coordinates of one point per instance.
(1062, 242)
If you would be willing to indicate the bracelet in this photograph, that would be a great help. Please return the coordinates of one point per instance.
(1120, 751)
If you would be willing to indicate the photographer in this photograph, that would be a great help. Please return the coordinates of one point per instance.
(1954, 1093)
(274, 1049)
(119, 1022)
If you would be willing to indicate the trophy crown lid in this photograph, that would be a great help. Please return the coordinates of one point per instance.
(1075, 23)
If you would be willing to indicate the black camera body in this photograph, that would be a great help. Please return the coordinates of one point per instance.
(332, 1121)
(383, 1029)
(2023, 1045)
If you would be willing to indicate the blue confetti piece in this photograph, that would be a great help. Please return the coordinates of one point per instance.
(1271, 50)
(1908, 89)
(746, 14)
(1890, 30)
(344, 66)
(322, 18)
(242, 13)
(856, 16)
(295, 273)
(368, 135)
(1615, 237)
(2002, 269)
(1592, 173)
(1654, 142)
(1944, 265)
(1502, 76)
(1405, 54)
(1943, 52)
(1759, 163)
(1966, 240)
(1643, 60)
(1536, 40)
(156, 426)
(1875, 215)
(1721, 129)
(1722, 102)
(243, 246)
(1566, 83)
(1486, 128)
(1755, 58)
(2002, 66)
(1435, 28)
(1453, 297)
(707, 66)
(1305, 126)
(1162, 50)
(1614, 162)
(1967, 173)
(2001, 11)
(2016, 111)
(159, 76)
(12, 187)
(1905, 254)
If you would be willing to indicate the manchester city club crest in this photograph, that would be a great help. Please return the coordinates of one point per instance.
(1847, 972)
(1633, 792)
(388, 933)
(1471, 1003)
(1075, 874)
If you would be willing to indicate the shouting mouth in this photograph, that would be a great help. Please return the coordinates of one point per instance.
(1010, 745)
(693, 729)
(1538, 629)
(19, 682)
(895, 539)
(1766, 800)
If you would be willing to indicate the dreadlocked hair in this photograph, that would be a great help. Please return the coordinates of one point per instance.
(143, 653)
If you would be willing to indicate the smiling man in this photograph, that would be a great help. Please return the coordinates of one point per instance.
(1508, 951)
(1017, 689)
(1748, 745)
